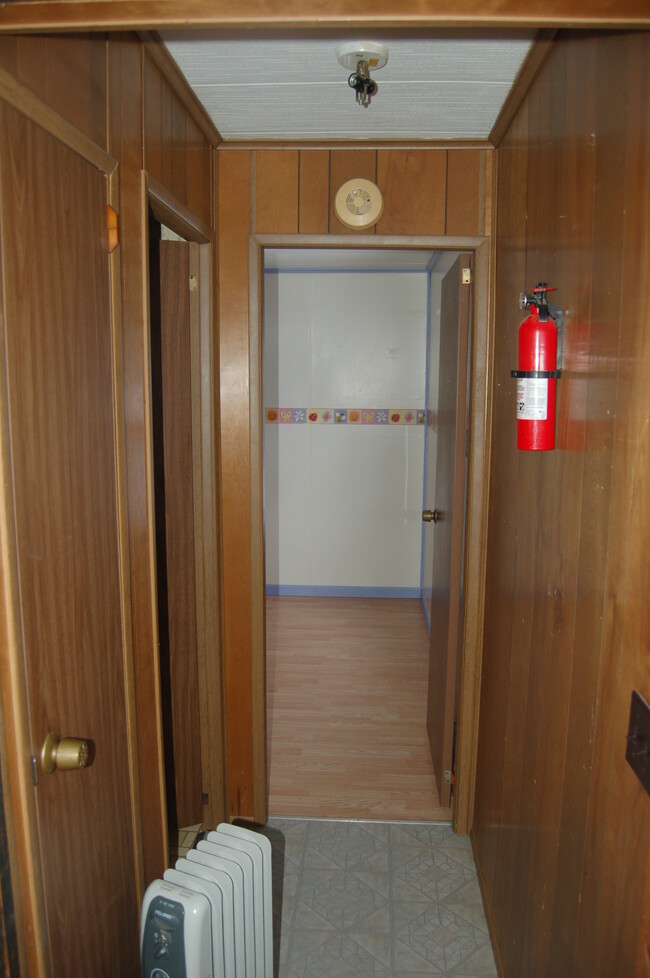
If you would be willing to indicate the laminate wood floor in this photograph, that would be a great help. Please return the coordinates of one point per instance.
(346, 711)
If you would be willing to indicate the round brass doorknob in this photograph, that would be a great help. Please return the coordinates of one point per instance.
(430, 515)
(68, 754)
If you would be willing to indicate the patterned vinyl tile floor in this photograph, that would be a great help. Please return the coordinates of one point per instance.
(376, 900)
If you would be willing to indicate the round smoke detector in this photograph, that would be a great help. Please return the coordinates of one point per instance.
(352, 52)
(358, 203)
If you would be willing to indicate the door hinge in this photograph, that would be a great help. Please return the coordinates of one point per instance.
(466, 276)
(466, 442)
(112, 229)
(205, 798)
(194, 283)
(446, 777)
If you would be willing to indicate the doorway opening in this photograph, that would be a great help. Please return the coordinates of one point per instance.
(185, 501)
(349, 417)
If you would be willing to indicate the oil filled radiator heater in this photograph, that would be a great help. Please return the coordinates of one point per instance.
(211, 916)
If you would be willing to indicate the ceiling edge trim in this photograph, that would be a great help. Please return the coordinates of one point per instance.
(352, 144)
(155, 48)
(533, 63)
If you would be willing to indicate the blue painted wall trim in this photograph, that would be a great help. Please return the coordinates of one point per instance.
(327, 591)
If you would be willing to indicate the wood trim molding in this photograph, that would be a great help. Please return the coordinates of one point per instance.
(170, 211)
(395, 242)
(153, 660)
(477, 489)
(60, 15)
(155, 48)
(126, 610)
(478, 485)
(531, 67)
(37, 111)
(350, 144)
(258, 584)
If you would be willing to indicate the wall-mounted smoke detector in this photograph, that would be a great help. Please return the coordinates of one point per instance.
(360, 57)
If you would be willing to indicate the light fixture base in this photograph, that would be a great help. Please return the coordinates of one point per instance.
(352, 52)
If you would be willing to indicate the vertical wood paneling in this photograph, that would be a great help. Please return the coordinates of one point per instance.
(344, 165)
(628, 635)
(9, 53)
(464, 191)
(500, 757)
(166, 136)
(617, 343)
(233, 230)
(560, 820)
(126, 144)
(314, 191)
(152, 119)
(413, 184)
(276, 191)
(196, 189)
(210, 182)
(178, 150)
(69, 73)
(577, 205)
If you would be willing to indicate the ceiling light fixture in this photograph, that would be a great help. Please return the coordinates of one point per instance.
(360, 57)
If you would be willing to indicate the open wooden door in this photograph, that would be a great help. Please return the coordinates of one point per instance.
(447, 508)
(67, 660)
(171, 369)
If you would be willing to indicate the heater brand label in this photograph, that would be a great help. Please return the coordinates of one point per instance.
(532, 399)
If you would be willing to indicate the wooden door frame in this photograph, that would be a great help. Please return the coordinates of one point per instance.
(168, 210)
(476, 506)
(15, 740)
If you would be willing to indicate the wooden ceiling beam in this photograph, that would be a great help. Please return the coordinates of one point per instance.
(318, 15)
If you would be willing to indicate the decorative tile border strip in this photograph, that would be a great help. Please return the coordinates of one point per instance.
(388, 416)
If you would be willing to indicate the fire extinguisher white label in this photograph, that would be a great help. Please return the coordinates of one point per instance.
(532, 399)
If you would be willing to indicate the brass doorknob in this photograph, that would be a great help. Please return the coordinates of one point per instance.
(430, 516)
(68, 754)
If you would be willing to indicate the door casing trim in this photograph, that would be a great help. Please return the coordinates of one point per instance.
(476, 510)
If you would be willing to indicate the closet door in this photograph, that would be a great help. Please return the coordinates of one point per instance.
(447, 499)
(62, 555)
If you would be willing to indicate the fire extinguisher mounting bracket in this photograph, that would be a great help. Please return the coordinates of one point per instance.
(537, 374)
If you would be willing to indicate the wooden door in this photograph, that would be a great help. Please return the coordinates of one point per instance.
(60, 417)
(175, 527)
(448, 499)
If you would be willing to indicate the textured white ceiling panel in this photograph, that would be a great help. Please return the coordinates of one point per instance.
(410, 110)
(449, 88)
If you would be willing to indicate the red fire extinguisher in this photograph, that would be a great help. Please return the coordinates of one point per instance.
(537, 373)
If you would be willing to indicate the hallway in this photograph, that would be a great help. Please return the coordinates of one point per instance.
(346, 708)
(376, 900)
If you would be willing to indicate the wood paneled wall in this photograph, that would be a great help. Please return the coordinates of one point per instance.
(119, 92)
(427, 192)
(561, 822)
(177, 152)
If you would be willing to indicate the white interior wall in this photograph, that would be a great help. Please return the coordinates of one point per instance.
(343, 502)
